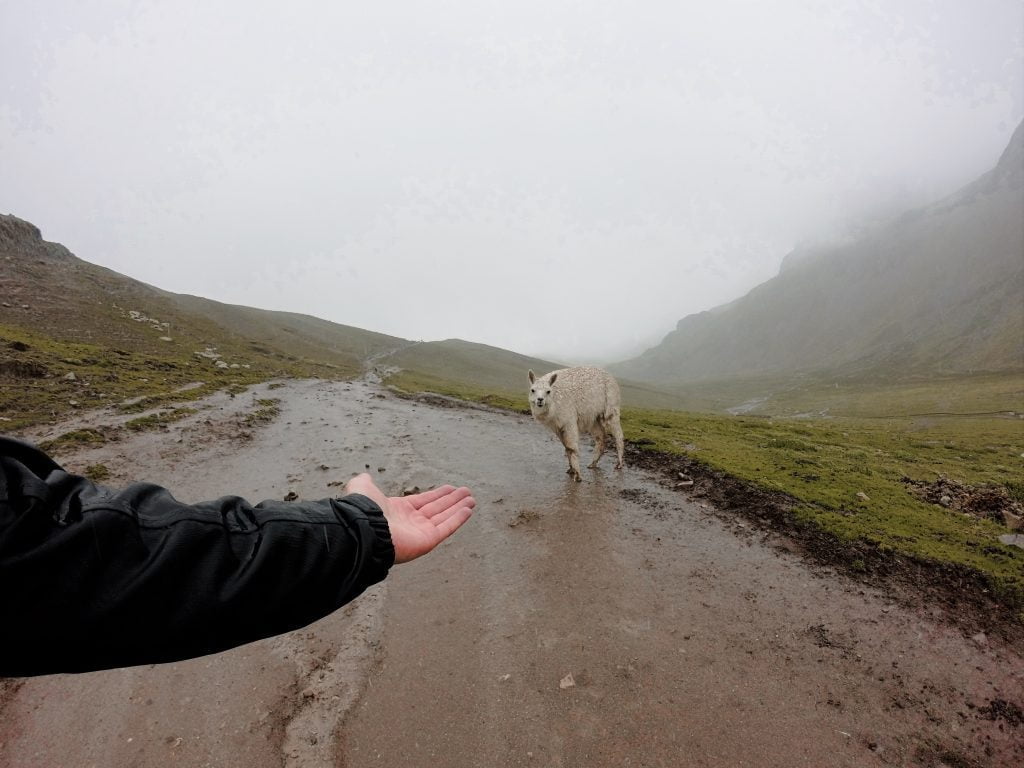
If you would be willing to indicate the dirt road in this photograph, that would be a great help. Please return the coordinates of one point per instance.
(608, 623)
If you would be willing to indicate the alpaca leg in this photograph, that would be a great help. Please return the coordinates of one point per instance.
(599, 438)
(620, 448)
(571, 441)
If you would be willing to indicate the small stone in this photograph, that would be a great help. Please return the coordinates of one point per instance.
(291, 496)
(324, 467)
(567, 682)
(166, 338)
(410, 490)
(980, 639)
(73, 403)
(221, 364)
(504, 678)
(863, 496)
(69, 377)
(945, 501)
(1013, 539)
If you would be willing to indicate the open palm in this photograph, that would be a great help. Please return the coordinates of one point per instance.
(419, 522)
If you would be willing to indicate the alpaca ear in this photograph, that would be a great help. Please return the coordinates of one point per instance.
(532, 377)
(553, 377)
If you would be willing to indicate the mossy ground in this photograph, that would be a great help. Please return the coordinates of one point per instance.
(267, 409)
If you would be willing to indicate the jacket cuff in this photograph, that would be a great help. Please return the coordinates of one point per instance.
(383, 552)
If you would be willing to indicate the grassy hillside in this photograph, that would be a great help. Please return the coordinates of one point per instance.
(303, 336)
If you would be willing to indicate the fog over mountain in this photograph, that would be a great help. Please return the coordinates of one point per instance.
(938, 290)
(558, 179)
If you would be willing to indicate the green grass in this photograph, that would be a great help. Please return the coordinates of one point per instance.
(74, 439)
(159, 419)
(163, 399)
(824, 463)
(267, 410)
(97, 472)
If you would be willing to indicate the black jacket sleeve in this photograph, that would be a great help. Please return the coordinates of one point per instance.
(93, 578)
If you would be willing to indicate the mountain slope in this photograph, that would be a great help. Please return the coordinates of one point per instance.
(940, 290)
(76, 335)
(49, 290)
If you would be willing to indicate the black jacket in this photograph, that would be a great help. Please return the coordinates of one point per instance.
(93, 578)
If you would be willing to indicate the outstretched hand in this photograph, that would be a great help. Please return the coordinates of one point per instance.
(420, 522)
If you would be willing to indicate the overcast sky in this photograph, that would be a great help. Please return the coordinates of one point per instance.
(565, 179)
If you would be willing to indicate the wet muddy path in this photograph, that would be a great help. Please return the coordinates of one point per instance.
(612, 622)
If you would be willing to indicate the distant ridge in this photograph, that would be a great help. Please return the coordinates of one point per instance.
(940, 290)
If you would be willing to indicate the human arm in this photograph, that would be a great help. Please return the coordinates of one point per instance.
(92, 577)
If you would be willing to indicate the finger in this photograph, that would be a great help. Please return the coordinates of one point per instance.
(358, 482)
(443, 516)
(451, 498)
(419, 499)
(453, 523)
(447, 501)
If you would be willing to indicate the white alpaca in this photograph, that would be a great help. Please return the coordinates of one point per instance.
(574, 400)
